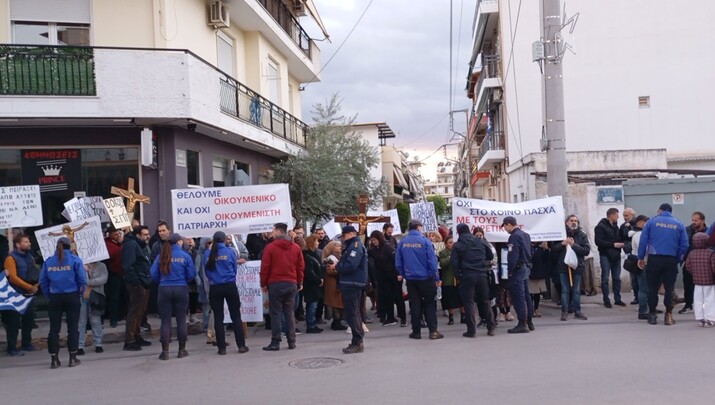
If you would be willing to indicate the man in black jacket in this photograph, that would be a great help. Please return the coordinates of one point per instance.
(136, 265)
(629, 217)
(570, 286)
(609, 245)
(471, 260)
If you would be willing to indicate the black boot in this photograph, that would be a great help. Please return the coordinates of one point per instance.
(462, 318)
(451, 320)
(55, 361)
(182, 350)
(530, 323)
(164, 351)
(74, 361)
(519, 328)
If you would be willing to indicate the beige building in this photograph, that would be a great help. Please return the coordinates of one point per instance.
(184, 93)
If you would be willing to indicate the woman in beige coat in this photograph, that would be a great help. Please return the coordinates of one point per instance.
(332, 296)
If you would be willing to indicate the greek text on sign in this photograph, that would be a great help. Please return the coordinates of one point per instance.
(234, 210)
(542, 219)
(248, 280)
(95, 206)
(117, 212)
(20, 206)
(86, 235)
(77, 209)
(426, 213)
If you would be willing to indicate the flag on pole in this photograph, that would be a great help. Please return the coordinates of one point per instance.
(11, 299)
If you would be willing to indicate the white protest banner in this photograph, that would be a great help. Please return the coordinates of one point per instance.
(117, 212)
(66, 215)
(241, 209)
(333, 229)
(95, 205)
(426, 214)
(377, 226)
(20, 206)
(86, 234)
(77, 210)
(542, 219)
(248, 281)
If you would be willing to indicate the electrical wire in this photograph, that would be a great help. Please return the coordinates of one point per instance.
(459, 43)
(426, 132)
(513, 32)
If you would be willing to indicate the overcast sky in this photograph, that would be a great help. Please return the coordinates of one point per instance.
(394, 68)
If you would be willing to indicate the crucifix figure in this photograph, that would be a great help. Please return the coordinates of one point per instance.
(362, 219)
(131, 196)
(69, 233)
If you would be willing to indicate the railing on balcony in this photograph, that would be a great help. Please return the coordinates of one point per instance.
(289, 23)
(493, 141)
(46, 70)
(243, 103)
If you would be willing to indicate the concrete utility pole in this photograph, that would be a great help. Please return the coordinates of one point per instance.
(556, 166)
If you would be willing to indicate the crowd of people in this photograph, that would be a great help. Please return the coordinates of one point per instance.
(318, 280)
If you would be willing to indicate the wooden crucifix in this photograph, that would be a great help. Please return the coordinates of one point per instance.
(362, 219)
(132, 197)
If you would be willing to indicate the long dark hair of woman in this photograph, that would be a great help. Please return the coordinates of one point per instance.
(60, 252)
(211, 262)
(165, 258)
(379, 236)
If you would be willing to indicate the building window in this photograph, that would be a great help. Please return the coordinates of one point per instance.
(193, 168)
(226, 57)
(220, 170)
(446, 190)
(644, 101)
(274, 82)
(43, 33)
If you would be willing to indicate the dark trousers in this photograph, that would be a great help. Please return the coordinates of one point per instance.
(389, 294)
(173, 301)
(475, 287)
(116, 297)
(14, 321)
(281, 300)
(138, 298)
(229, 292)
(422, 294)
(67, 304)
(661, 270)
(519, 289)
(352, 298)
(689, 288)
(612, 268)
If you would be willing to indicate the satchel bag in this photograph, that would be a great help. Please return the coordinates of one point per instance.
(631, 264)
(97, 301)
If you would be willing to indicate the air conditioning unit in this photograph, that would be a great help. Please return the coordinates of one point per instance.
(299, 8)
(218, 15)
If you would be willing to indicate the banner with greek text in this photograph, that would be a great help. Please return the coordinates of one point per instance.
(241, 209)
(20, 206)
(118, 212)
(542, 219)
(426, 213)
(248, 281)
(86, 236)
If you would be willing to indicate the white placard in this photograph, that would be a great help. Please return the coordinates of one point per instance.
(542, 219)
(678, 199)
(377, 226)
(77, 210)
(426, 214)
(117, 212)
(95, 205)
(87, 236)
(333, 229)
(241, 209)
(248, 281)
(20, 206)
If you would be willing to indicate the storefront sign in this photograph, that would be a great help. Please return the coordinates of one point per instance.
(542, 219)
(248, 281)
(55, 170)
(20, 206)
(118, 212)
(86, 237)
(234, 210)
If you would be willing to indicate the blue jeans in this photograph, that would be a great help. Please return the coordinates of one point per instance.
(95, 319)
(310, 309)
(611, 268)
(570, 294)
(642, 282)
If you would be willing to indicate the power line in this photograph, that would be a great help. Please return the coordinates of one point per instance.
(513, 33)
(459, 43)
(426, 132)
(342, 43)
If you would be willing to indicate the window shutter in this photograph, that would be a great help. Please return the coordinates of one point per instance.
(61, 11)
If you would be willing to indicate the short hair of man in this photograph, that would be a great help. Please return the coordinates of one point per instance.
(387, 226)
(281, 227)
(18, 238)
(138, 229)
(611, 211)
(699, 215)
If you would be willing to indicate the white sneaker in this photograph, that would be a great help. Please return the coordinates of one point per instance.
(365, 329)
(348, 331)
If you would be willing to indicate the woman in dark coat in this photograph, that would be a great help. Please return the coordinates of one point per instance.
(450, 292)
(312, 283)
(389, 290)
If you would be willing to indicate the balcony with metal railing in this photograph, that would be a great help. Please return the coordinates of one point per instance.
(491, 150)
(489, 78)
(281, 13)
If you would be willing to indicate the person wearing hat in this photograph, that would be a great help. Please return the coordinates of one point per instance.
(519, 262)
(282, 270)
(665, 242)
(172, 270)
(63, 279)
(221, 266)
(416, 262)
(352, 279)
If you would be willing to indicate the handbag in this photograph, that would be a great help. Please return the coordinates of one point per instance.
(97, 300)
(631, 264)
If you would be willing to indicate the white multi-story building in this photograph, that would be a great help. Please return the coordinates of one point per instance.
(205, 88)
(444, 183)
(641, 79)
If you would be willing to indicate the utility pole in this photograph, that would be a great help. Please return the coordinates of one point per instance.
(556, 165)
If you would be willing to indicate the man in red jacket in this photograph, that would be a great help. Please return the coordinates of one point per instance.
(115, 289)
(282, 267)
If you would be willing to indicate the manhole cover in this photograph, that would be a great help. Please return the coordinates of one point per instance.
(315, 363)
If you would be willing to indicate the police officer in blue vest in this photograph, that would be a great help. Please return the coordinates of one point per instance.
(352, 280)
(519, 263)
(665, 242)
(63, 280)
(221, 265)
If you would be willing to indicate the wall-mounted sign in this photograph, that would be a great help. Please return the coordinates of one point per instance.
(55, 170)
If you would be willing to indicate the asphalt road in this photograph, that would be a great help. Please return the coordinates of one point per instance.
(610, 359)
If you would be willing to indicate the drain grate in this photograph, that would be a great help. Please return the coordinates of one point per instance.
(315, 363)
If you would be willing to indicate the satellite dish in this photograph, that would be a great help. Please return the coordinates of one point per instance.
(407, 154)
